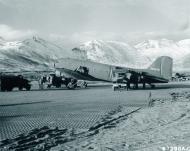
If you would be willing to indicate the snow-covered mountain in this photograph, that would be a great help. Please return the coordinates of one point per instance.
(179, 51)
(34, 53)
(111, 52)
(37, 54)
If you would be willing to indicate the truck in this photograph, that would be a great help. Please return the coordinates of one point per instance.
(9, 82)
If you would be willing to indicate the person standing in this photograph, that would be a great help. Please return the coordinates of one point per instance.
(127, 81)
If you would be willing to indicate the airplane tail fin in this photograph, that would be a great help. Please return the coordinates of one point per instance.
(164, 65)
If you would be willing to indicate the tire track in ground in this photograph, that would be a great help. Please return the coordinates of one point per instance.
(15, 104)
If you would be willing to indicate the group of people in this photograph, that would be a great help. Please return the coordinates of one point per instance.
(45, 79)
(133, 78)
(58, 81)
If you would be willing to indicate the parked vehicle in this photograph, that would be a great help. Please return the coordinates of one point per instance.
(57, 81)
(9, 82)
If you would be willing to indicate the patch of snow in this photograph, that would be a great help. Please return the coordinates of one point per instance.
(29, 54)
(111, 52)
(179, 51)
(166, 124)
(37, 51)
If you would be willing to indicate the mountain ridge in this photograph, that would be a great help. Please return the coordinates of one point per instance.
(37, 53)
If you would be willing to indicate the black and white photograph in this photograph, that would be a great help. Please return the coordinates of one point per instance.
(94, 75)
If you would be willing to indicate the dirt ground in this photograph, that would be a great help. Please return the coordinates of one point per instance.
(70, 112)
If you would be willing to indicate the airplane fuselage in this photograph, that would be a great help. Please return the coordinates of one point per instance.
(105, 72)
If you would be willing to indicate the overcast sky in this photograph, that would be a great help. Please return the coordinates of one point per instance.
(82, 20)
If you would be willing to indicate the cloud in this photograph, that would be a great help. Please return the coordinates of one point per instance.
(101, 19)
(92, 35)
(10, 33)
(130, 37)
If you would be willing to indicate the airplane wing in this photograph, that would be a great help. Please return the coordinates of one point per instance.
(85, 70)
(78, 75)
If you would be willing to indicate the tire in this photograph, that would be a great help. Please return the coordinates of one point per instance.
(3, 89)
(9, 89)
(28, 88)
(58, 86)
(20, 88)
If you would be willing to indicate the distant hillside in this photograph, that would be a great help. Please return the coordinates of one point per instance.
(111, 52)
(30, 54)
(39, 54)
(179, 51)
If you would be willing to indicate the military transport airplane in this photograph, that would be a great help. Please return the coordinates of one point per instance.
(159, 72)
